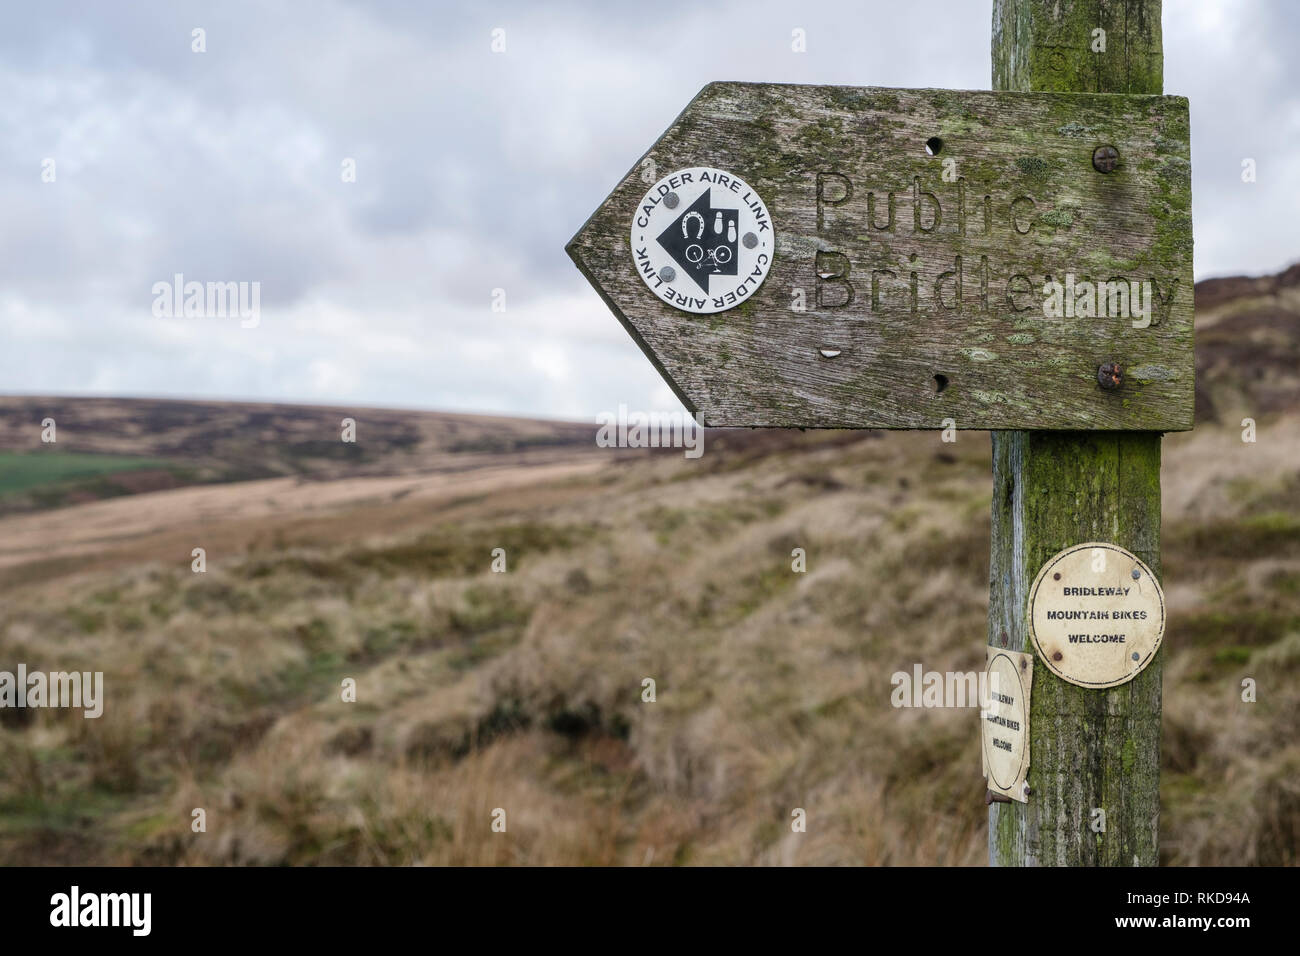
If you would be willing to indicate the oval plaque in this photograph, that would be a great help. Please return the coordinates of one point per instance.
(1096, 615)
(1009, 678)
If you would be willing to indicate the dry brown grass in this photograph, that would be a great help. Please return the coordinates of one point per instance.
(522, 690)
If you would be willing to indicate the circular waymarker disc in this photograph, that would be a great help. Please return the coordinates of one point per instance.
(1006, 722)
(702, 240)
(1096, 615)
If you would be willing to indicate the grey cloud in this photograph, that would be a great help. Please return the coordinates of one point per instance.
(473, 169)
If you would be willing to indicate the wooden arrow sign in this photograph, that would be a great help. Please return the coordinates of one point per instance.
(873, 258)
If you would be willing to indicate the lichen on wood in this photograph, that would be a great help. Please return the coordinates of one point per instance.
(1090, 749)
(902, 261)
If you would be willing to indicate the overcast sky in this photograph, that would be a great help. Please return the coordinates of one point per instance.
(473, 168)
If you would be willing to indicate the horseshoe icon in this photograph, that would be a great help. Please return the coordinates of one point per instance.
(686, 220)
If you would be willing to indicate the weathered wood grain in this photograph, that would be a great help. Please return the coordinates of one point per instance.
(1050, 47)
(1089, 749)
(884, 297)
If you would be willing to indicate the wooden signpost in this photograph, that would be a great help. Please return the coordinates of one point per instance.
(1018, 261)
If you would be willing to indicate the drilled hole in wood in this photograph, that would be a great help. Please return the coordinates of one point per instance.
(940, 383)
(933, 145)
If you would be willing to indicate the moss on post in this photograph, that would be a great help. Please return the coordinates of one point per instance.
(1089, 749)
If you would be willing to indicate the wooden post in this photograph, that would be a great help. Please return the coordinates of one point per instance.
(1090, 749)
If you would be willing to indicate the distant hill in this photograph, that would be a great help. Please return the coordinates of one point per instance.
(1247, 357)
(1248, 346)
(109, 447)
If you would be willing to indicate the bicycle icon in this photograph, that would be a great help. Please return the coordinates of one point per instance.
(718, 255)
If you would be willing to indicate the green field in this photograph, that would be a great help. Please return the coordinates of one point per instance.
(23, 471)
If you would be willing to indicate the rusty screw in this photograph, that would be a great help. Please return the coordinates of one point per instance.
(1110, 376)
(1105, 159)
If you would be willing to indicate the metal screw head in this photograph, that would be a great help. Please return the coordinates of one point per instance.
(668, 273)
(1136, 574)
(671, 200)
(1135, 655)
(750, 240)
(1110, 376)
(1105, 159)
